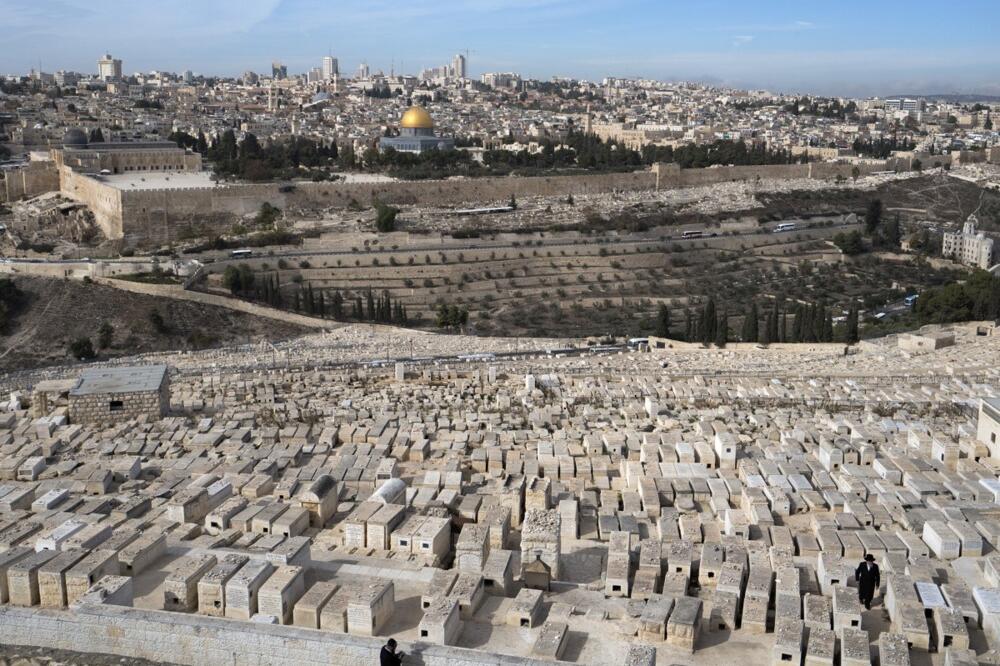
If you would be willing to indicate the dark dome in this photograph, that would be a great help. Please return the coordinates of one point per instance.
(74, 137)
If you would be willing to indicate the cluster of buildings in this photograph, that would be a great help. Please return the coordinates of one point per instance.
(631, 508)
(500, 110)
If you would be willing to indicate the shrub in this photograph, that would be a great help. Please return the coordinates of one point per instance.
(82, 349)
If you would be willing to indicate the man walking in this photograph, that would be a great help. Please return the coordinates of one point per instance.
(868, 578)
(388, 656)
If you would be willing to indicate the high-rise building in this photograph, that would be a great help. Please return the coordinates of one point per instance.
(330, 68)
(364, 71)
(250, 78)
(187, 76)
(278, 71)
(458, 66)
(108, 68)
(315, 75)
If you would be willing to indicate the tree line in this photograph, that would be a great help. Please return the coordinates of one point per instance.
(798, 323)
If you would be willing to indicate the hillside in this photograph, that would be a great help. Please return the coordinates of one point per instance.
(56, 312)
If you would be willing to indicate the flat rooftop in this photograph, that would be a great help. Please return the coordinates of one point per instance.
(157, 180)
(134, 379)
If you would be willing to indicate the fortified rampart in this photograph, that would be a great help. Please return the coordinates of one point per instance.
(197, 640)
(102, 199)
(152, 216)
(29, 181)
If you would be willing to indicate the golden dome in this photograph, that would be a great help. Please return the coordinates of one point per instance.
(416, 117)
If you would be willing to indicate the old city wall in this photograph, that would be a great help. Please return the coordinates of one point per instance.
(29, 181)
(197, 640)
(473, 191)
(102, 199)
(162, 215)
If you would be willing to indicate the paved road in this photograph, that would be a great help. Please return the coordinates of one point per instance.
(223, 258)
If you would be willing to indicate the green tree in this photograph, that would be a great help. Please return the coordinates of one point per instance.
(104, 335)
(385, 217)
(873, 216)
(82, 349)
(231, 280)
(267, 215)
(158, 323)
(451, 316)
(851, 335)
(663, 321)
(722, 330)
(750, 325)
(855, 173)
(850, 243)
(337, 306)
(708, 323)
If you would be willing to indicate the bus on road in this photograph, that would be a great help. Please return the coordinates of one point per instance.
(241, 253)
(692, 234)
(784, 226)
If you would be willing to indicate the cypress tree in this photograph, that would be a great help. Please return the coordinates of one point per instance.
(819, 316)
(797, 324)
(688, 331)
(772, 324)
(722, 330)
(851, 333)
(765, 333)
(708, 323)
(371, 306)
(663, 321)
(750, 330)
(337, 306)
(784, 326)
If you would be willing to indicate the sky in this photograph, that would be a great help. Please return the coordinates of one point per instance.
(848, 47)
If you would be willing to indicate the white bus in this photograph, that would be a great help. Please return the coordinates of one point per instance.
(241, 253)
(692, 234)
(784, 226)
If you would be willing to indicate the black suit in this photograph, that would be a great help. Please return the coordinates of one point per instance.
(387, 658)
(868, 582)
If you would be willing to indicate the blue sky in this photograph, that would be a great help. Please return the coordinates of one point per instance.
(844, 47)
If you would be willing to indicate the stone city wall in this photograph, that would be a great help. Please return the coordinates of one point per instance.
(102, 199)
(195, 640)
(29, 181)
(152, 216)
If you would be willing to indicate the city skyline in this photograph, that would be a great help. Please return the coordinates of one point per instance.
(852, 49)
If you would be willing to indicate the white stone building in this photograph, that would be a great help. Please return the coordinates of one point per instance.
(969, 247)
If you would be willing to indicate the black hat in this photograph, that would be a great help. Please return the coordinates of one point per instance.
(869, 557)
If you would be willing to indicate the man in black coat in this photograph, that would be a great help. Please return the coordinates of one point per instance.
(388, 656)
(868, 578)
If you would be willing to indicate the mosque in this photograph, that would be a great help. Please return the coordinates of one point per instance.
(416, 134)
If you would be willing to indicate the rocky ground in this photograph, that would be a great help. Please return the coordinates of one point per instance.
(60, 311)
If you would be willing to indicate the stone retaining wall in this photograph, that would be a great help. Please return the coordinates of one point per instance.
(195, 640)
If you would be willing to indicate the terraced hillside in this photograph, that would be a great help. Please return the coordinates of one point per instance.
(576, 285)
